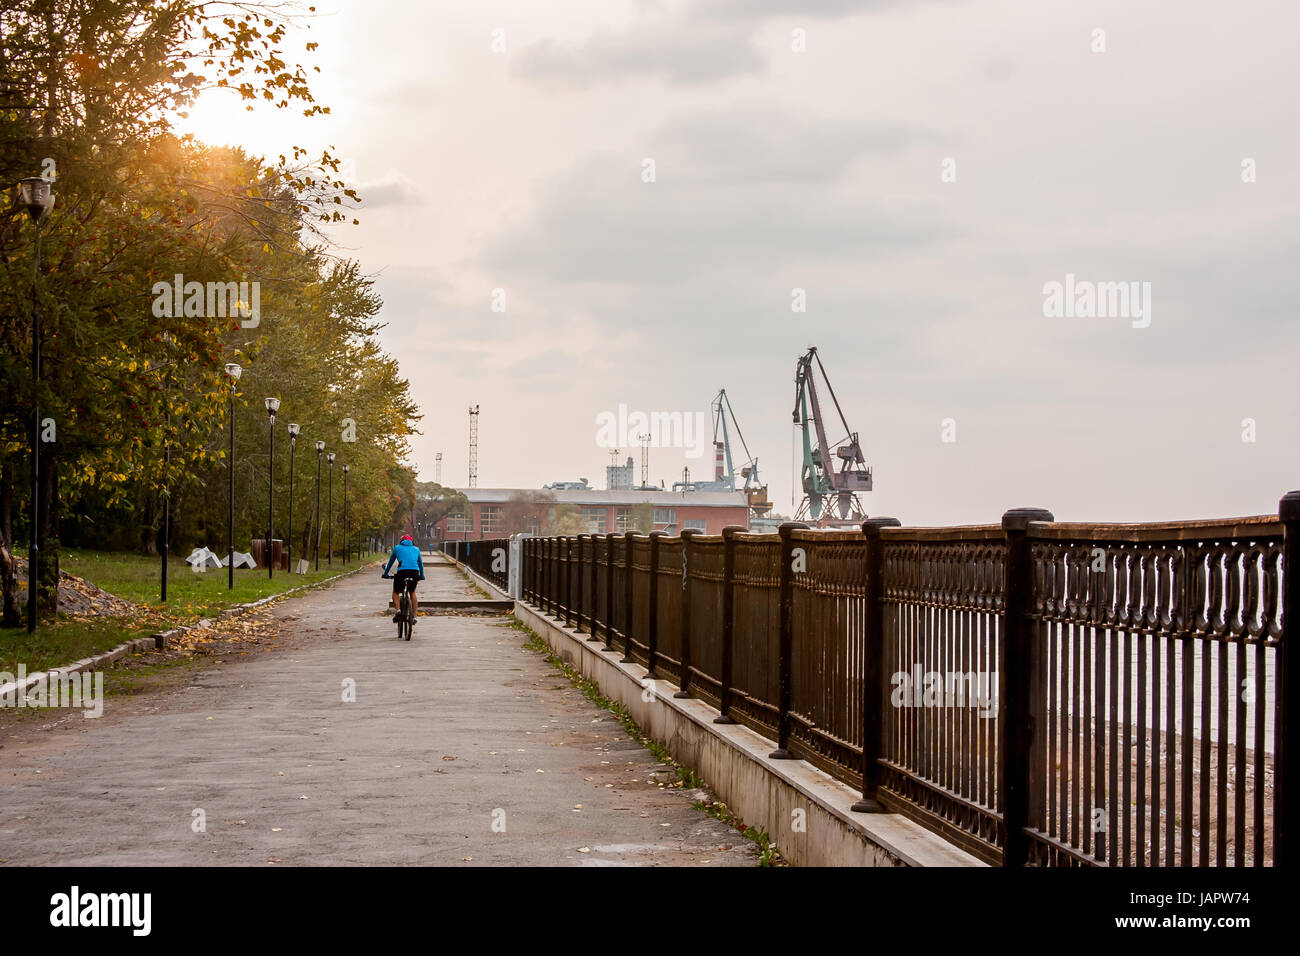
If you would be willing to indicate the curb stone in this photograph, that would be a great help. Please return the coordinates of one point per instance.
(160, 640)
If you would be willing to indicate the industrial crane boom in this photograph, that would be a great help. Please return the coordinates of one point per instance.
(819, 478)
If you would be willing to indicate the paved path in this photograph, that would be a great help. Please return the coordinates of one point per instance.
(450, 733)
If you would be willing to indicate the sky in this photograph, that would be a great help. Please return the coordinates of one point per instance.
(922, 170)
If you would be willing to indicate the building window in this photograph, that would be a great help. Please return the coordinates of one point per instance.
(665, 516)
(460, 523)
(623, 520)
(489, 517)
(698, 524)
(594, 519)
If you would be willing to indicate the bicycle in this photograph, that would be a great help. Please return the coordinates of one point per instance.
(405, 612)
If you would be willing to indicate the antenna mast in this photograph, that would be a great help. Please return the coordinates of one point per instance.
(645, 459)
(473, 446)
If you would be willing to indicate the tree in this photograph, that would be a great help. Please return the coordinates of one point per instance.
(526, 512)
(433, 502)
(88, 92)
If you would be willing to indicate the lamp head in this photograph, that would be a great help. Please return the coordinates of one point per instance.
(272, 406)
(234, 371)
(345, 469)
(36, 195)
(330, 458)
(293, 429)
(320, 446)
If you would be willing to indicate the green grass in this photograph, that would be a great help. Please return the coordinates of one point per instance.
(687, 778)
(136, 578)
(65, 640)
(768, 854)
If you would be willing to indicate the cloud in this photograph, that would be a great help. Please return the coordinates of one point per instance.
(684, 53)
(751, 188)
(600, 223)
(393, 191)
(710, 41)
(753, 143)
(762, 9)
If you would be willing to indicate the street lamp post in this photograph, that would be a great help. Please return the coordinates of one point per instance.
(320, 449)
(234, 371)
(272, 406)
(167, 486)
(164, 546)
(329, 559)
(288, 538)
(36, 195)
(347, 541)
(167, 500)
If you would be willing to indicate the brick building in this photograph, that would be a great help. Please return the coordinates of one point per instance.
(497, 512)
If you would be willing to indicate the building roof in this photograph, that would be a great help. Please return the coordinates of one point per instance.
(596, 496)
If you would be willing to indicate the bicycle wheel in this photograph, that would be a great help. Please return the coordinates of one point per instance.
(401, 616)
(408, 619)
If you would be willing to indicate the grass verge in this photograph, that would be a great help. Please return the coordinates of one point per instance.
(136, 578)
(687, 779)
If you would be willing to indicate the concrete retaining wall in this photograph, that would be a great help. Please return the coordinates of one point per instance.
(804, 810)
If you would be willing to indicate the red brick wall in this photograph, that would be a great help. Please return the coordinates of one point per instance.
(714, 518)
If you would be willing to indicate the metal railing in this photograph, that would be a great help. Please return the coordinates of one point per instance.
(1037, 692)
(488, 557)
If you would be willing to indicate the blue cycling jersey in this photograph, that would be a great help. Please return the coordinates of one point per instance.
(407, 557)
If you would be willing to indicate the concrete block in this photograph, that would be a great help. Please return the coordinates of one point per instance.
(733, 760)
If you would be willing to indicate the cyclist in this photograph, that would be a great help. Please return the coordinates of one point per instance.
(410, 570)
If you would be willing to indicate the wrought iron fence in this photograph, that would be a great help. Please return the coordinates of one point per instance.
(488, 557)
(1038, 692)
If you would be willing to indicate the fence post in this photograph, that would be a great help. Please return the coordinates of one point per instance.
(685, 627)
(596, 601)
(575, 578)
(1285, 782)
(627, 594)
(531, 565)
(522, 560)
(873, 663)
(553, 578)
(609, 590)
(787, 530)
(1016, 688)
(566, 549)
(543, 574)
(652, 612)
(728, 619)
(539, 576)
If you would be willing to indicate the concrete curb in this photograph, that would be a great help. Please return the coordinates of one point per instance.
(734, 760)
(160, 640)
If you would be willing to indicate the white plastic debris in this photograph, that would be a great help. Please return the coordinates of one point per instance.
(201, 559)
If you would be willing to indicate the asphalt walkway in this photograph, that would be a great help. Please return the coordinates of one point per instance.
(461, 748)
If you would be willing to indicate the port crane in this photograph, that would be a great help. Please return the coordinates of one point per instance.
(755, 490)
(725, 476)
(830, 496)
